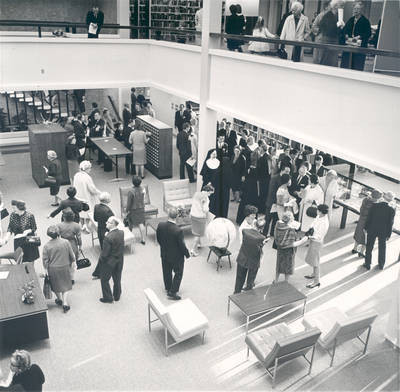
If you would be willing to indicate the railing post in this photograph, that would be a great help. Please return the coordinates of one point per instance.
(59, 104)
(67, 101)
(26, 113)
(8, 110)
(34, 106)
(40, 31)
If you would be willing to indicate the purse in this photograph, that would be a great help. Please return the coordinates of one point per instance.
(47, 287)
(312, 211)
(4, 213)
(49, 180)
(33, 240)
(83, 263)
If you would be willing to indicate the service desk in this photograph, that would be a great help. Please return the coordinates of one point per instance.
(19, 322)
(42, 138)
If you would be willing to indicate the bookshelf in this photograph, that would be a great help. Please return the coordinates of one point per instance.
(140, 16)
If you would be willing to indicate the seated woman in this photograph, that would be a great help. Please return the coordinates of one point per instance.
(22, 373)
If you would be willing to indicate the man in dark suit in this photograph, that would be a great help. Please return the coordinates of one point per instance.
(318, 167)
(173, 253)
(221, 146)
(263, 175)
(185, 152)
(101, 214)
(179, 119)
(94, 21)
(126, 115)
(274, 184)
(379, 225)
(95, 109)
(299, 181)
(290, 160)
(230, 138)
(112, 261)
(80, 136)
(133, 102)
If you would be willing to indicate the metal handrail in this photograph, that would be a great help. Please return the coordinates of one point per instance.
(246, 38)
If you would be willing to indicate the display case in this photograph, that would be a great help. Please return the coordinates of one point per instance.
(159, 147)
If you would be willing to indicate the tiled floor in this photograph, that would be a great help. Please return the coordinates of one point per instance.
(108, 347)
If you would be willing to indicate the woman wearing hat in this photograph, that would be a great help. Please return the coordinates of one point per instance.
(22, 224)
(54, 170)
(360, 233)
(286, 244)
(58, 257)
(319, 228)
(330, 186)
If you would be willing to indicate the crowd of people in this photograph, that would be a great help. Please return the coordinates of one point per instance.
(328, 27)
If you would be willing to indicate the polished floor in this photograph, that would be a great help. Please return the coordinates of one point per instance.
(108, 347)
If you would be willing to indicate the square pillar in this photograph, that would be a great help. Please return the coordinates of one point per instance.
(123, 14)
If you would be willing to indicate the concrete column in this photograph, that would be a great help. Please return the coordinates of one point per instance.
(212, 10)
(123, 13)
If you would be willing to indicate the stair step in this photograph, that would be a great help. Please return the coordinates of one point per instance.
(27, 99)
(16, 95)
(37, 103)
(54, 111)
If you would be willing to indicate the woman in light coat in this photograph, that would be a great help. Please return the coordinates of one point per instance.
(313, 194)
(293, 31)
(330, 186)
(86, 191)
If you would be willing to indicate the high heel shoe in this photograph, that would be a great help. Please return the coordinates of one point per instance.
(58, 302)
(66, 308)
(313, 285)
(354, 251)
(309, 276)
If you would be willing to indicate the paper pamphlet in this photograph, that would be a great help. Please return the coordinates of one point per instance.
(4, 274)
(191, 161)
(93, 28)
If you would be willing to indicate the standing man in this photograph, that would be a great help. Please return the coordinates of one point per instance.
(173, 253)
(185, 152)
(318, 167)
(126, 115)
(112, 261)
(231, 139)
(133, 102)
(221, 146)
(299, 182)
(179, 119)
(379, 224)
(94, 21)
(248, 259)
(264, 169)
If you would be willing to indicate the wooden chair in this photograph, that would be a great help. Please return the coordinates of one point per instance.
(276, 345)
(337, 327)
(149, 209)
(182, 320)
(220, 253)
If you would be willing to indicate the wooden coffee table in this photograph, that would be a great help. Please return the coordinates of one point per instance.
(256, 301)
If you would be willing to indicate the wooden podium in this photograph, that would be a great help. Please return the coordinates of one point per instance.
(44, 137)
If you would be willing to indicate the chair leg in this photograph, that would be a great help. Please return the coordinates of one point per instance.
(92, 239)
(218, 263)
(274, 374)
(366, 341)
(166, 341)
(230, 264)
(148, 312)
(203, 337)
(209, 253)
(248, 352)
(333, 353)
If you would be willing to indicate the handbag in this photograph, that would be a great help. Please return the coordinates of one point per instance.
(83, 263)
(282, 54)
(33, 240)
(50, 180)
(312, 211)
(4, 213)
(47, 287)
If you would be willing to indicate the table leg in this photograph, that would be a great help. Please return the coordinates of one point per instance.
(117, 179)
(229, 305)
(304, 306)
(247, 324)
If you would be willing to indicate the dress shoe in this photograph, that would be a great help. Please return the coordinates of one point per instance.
(173, 296)
(66, 308)
(368, 267)
(143, 242)
(55, 204)
(313, 285)
(309, 276)
(354, 251)
(95, 277)
(106, 301)
(116, 299)
(247, 288)
(58, 302)
(380, 267)
(72, 282)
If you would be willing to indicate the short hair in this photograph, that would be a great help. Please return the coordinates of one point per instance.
(285, 178)
(314, 179)
(53, 231)
(79, 116)
(304, 164)
(337, 3)
(113, 220)
(105, 197)
(323, 208)
(94, 105)
(285, 165)
(14, 202)
(136, 181)
(188, 105)
(249, 209)
(270, 149)
(68, 215)
(21, 205)
(238, 8)
(293, 151)
(71, 191)
(74, 113)
(133, 89)
(260, 223)
(233, 9)
(21, 359)
(208, 188)
(296, 6)
(172, 213)
(332, 173)
(186, 125)
(85, 165)
(319, 158)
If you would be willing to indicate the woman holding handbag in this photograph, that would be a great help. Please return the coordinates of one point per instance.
(71, 231)
(22, 225)
(53, 171)
(58, 257)
(313, 196)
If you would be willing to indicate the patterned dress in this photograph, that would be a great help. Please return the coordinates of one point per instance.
(284, 237)
(17, 225)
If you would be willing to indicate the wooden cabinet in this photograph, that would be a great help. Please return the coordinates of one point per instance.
(159, 147)
(44, 137)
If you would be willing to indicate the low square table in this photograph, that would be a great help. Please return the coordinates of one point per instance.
(112, 148)
(265, 299)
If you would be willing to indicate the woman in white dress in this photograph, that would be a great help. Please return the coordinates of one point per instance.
(260, 31)
(320, 227)
(330, 186)
(284, 201)
(313, 194)
(86, 191)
